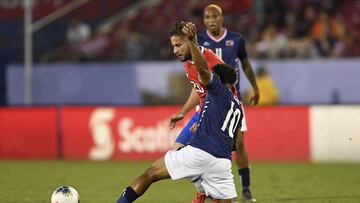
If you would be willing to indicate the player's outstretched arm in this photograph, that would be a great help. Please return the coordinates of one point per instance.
(248, 70)
(190, 103)
(199, 60)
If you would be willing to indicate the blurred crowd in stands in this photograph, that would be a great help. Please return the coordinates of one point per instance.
(272, 29)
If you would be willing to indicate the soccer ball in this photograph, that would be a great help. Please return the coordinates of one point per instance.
(65, 194)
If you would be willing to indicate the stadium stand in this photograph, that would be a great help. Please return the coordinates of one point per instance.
(291, 26)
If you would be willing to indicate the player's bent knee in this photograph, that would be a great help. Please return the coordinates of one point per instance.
(148, 174)
(151, 174)
(157, 171)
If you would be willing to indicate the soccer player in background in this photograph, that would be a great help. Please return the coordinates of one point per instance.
(208, 155)
(230, 47)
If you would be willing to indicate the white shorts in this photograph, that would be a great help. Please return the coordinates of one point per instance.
(215, 173)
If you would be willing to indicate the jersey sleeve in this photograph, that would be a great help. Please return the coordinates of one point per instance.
(242, 114)
(214, 86)
(242, 54)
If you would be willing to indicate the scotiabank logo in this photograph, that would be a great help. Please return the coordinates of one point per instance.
(113, 131)
(145, 139)
(102, 134)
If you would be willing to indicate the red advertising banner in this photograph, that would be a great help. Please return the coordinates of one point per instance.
(138, 133)
(275, 133)
(118, 133)
(28, 133)
(278, 133)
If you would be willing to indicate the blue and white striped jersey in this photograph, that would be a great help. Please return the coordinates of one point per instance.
(230, 48)
(220, 116)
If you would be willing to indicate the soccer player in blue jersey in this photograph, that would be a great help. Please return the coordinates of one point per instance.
(230, 47)
(208, 155)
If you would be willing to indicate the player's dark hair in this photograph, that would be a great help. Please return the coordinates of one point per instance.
(226, 73)
(177, 29)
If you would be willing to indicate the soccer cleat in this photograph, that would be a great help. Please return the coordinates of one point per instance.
(247, 196)
(200, 198)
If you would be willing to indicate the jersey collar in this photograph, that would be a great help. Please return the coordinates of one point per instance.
(217, 40)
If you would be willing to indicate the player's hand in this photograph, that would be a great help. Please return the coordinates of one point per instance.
(190, 31)
(193, 128)
(255, 99)
(175, 118)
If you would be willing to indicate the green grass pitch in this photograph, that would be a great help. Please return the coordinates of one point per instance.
(102, 182)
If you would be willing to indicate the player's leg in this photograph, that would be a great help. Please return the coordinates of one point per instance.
(242, 163)
(182, 140)
(156, 172)
(200, 192)
(218, 181)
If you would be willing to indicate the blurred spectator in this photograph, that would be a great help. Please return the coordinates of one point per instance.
(325, 31)
(269, 93)
(302, 48)
(78, 36)
(344, 44)
(93, 47)
(272, 44)
(133, 47)
(305, 21)
(77, 31)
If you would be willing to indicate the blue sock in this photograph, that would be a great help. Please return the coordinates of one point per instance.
(244, 174)
(128, 196)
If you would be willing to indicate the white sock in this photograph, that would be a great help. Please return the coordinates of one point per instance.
(199, 187)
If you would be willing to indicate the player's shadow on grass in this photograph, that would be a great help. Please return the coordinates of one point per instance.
(338, 197)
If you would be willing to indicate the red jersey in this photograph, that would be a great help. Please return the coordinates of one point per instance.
(193, 76)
